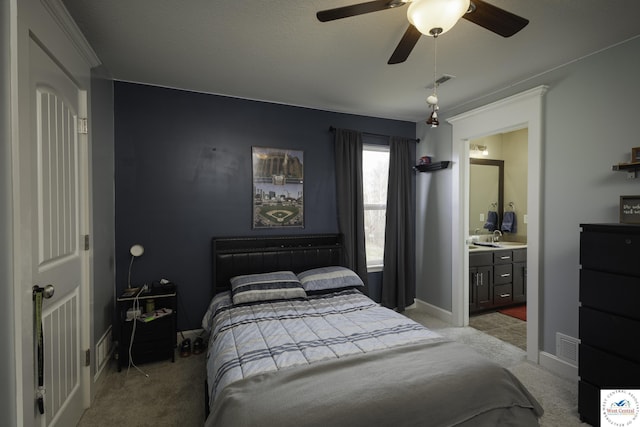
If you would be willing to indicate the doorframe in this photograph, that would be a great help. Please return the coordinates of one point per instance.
(524, 110)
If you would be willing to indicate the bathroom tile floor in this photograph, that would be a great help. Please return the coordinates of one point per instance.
(501, 326)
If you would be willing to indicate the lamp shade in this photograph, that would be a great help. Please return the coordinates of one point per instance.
(136, 250)
(427, 15)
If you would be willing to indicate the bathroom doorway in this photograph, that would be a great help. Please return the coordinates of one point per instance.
(497, 204)
(511, 114)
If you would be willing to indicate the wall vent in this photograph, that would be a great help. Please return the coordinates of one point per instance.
(567, 348)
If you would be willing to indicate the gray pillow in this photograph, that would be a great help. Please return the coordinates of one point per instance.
(334, 277)
(266, 287)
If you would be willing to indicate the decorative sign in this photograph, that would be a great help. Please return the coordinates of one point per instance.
(278, 179)
(630, 209)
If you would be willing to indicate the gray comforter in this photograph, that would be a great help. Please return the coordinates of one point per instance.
(417, 379)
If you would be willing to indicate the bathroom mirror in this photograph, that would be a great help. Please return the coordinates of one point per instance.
(486, 192)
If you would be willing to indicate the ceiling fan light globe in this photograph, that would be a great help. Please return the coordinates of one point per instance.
(432, 100)
(427, 15)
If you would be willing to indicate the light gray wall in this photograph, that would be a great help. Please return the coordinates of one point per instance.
(591, 123)
(590, 115)
(7, 360)
(102, 161)
(433, 219)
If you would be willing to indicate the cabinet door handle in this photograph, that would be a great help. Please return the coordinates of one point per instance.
(505, 257)
(505, 275)
(504, 295)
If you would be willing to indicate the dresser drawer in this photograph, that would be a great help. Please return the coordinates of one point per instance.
(502, 294)
(502, 273)
(502, 257)
(615, 334)
(607, 370)
(589, 403)
(610, 292)
(615, 252)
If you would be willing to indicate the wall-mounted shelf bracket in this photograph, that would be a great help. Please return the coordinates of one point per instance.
(630, 168)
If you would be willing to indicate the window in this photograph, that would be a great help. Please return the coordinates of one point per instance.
(375, 174)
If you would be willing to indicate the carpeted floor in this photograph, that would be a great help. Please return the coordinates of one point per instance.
(173, 393)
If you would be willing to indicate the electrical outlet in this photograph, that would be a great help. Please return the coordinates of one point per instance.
(525, 218)
(481, 217)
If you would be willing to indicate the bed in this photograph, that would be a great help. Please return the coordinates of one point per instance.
(294, 341)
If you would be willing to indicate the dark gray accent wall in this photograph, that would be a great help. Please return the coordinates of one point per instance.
(103, 195)
(183, 176)
(7, 325)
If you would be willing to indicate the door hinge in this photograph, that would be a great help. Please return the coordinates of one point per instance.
(86, 242)
(87, 357)
(83, 127)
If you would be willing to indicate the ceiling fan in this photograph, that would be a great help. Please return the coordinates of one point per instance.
(433, 17)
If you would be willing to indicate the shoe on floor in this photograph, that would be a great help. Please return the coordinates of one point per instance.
(185, 348)
(198, 345)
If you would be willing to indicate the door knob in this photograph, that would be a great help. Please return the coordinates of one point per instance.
(47, 291)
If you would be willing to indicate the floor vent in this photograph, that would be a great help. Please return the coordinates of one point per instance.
(567, 348)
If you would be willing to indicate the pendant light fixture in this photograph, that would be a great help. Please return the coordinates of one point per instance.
(432, 99)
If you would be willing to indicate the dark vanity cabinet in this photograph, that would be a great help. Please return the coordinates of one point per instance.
(609, 319)
(497, 278)
(480, 278)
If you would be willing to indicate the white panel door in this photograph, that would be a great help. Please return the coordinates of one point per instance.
(58, 200)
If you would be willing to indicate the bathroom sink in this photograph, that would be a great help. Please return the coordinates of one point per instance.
(511, 244)
(496, 245)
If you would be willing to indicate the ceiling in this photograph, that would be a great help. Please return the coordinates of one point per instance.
(278, 51)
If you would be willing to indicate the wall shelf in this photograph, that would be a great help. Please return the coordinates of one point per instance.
(435, 166)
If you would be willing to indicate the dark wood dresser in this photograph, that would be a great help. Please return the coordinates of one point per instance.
(609, 329)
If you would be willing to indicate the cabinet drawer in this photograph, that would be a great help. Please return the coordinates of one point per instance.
(607, 370)
(503, 273)
(611, 252)
(502, 294)
(610, 292)
(589, 403)
(502, 257)
(480, 259)
(615, 334)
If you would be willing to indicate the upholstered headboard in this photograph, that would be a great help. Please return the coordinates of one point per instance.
(233, 256)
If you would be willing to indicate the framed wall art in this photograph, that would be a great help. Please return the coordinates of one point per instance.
(278, 187)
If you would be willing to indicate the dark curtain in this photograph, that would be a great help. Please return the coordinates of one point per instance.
(399, 273)
(348, 149)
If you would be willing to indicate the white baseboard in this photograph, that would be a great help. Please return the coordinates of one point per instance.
(432, 310)
(558, 366)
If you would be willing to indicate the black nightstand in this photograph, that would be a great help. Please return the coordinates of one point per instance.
(154, 339)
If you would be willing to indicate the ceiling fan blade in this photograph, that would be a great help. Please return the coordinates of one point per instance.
(406, 45)
(495, 19)
(356, 9)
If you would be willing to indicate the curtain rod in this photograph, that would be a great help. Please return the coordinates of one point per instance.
(333, 129)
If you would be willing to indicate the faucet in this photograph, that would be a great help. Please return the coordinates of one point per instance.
(496, 235)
